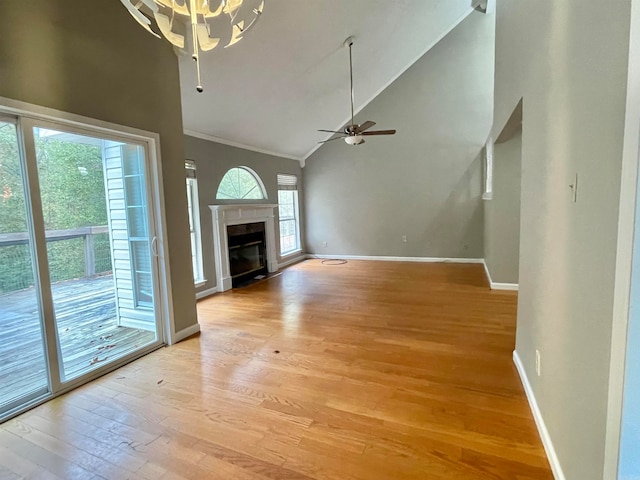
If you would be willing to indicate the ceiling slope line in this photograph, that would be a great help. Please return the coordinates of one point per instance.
(223, 141)
(394, 78)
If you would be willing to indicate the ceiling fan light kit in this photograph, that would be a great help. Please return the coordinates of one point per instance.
(354, 139)
(209, 23)
(354, 134)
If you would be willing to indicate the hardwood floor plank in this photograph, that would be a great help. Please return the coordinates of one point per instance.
(368, 370)
(44, 458)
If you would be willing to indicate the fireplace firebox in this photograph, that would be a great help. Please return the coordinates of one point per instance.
(247, 251)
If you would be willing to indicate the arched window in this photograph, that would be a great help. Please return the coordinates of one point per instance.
(241, 183)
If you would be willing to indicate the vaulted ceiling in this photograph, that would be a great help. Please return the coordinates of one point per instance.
(289, 76)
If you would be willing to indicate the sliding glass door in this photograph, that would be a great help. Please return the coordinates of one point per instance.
(76, 209)
(23, 365)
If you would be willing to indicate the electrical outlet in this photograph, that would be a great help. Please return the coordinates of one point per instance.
(324, 244)
(404, 239)
(538, 366)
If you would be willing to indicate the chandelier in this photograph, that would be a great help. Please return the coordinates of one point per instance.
(204, 24)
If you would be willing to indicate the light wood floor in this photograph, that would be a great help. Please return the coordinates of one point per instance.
(384, 371)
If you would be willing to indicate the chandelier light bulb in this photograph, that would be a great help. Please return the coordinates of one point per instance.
(208, 23)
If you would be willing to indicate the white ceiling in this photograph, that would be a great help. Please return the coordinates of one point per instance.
(289, 76)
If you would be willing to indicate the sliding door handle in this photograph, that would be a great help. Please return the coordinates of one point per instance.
(154, 246)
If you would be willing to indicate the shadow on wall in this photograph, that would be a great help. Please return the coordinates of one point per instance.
(455, 216)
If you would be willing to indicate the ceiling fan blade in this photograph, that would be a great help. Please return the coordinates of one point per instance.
(365, 126)
(379, 132)
(330, 131)
(334, 138)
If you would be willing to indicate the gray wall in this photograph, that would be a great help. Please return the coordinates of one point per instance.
(213, 160)
(502, 213)
(93, 59)
(424, 182)
(571, 70)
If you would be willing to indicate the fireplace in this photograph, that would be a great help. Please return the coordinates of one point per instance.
(247, 252)
(244, 242)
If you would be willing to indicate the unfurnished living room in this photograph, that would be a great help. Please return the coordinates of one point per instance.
(319, 239)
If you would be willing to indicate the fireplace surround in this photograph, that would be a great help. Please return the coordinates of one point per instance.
(225, 216)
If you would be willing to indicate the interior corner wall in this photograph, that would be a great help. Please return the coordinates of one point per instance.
(93, 59)
(213, 160)
(425, 181)
(502, 213)
(568, 61)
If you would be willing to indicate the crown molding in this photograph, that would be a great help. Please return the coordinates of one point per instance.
(223, 141)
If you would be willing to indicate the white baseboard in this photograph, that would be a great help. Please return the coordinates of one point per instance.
(496, 285)
(186, 332)
(399, 259)
(486, 272)
(206, 293)
(556, 468)
(291, 261)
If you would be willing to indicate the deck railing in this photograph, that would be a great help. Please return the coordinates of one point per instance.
(72, 253)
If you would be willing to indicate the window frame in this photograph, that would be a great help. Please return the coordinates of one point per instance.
(257, 179)
(195, 232)
(487, 154)
(289, 185)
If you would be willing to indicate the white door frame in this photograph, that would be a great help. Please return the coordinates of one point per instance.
(624, 252)
(29, 115)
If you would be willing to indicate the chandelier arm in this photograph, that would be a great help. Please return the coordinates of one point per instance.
(240, 17)
(194, 35)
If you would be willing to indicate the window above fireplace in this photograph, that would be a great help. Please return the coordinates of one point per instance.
(241, 183)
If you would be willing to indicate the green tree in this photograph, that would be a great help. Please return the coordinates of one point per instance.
(71, 179)
(71, 184)
(12, 200)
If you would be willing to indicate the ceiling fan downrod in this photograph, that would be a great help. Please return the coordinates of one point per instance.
(349, 43)
(354, 134)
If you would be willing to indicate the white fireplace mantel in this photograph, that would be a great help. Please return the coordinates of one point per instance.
(224, 215)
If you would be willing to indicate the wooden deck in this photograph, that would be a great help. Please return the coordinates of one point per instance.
(89, 334)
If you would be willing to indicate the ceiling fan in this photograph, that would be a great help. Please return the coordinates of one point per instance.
(354, 134)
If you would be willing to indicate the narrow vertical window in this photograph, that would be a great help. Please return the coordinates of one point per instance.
(487, 194)
(289, 214)
(194, 221)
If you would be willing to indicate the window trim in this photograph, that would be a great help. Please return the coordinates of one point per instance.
(289, 183)
(255, 176)
(199, 279)
(487, 154)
